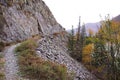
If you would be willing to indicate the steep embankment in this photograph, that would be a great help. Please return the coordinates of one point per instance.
(49, 50)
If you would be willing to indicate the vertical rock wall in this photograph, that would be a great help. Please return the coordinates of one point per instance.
(25, 18)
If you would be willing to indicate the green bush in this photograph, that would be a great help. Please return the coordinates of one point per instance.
(33, 67)
(29, 44)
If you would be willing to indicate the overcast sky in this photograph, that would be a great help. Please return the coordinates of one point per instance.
(67, 12)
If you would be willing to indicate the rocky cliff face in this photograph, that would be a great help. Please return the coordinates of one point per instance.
(25, 18)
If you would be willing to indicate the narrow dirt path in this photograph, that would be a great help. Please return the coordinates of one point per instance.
(11, 68)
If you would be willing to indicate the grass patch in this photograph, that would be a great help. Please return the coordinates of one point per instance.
(33, 67)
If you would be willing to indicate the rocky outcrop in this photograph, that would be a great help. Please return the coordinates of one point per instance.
(50, 50)
(25, 18)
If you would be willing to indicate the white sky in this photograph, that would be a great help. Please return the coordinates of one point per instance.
(67, 12)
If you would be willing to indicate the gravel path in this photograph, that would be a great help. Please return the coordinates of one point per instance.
(11, 68)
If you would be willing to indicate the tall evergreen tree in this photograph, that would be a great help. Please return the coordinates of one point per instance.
(78, 51)
(76, 45)
(71, 42)
(83, 35)
(79, 29)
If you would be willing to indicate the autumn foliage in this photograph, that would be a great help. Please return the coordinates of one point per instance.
(101, 50)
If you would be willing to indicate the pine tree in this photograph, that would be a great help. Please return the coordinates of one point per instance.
(80, 42)
(83, 36)
(76, 45)
(71, 42)
(79, 29)
(78, 51)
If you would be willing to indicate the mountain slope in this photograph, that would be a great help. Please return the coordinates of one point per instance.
(92, 26)
(24, 19)
(116, 19)
(89, 26)
(50, 50)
